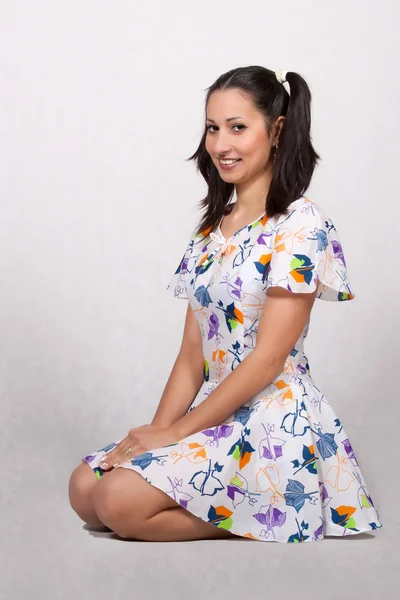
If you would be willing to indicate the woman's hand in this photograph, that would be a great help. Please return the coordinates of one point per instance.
(139, 440)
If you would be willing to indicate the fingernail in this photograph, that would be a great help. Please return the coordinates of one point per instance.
(103, 465)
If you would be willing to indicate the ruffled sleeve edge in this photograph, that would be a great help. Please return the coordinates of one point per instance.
(329, 272)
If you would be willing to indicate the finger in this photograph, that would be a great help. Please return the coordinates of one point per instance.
(135, 450)
(114, 456)
(109, 459)
(121, 455)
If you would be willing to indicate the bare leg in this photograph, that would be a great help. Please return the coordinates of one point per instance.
(81, 485)
(135, 509)
(176, 525)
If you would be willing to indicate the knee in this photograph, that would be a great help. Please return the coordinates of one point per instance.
(80, 487)
(109, 505)
(105, 500)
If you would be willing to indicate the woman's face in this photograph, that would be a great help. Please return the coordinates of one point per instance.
(244, 136)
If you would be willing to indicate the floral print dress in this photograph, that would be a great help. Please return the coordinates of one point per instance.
(281, 468)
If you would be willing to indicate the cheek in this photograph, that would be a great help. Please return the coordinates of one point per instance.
(259, 153)
(256, 148)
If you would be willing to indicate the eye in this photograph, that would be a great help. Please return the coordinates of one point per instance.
(238, 125)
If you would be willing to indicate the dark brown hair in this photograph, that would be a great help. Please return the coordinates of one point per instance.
(295, 159)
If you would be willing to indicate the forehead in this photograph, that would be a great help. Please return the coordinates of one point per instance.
(224, 104)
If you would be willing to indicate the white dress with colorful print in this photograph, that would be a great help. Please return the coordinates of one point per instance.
(281, 468)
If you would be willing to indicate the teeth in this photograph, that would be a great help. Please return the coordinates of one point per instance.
(229, 162)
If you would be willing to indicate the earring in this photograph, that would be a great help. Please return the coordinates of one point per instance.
(275, 153)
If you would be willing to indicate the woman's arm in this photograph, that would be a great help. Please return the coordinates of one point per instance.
(283, 319)
(186, 376)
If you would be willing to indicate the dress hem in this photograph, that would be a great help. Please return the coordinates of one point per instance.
(243, 535)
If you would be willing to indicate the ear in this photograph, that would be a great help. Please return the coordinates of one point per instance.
(278, 127)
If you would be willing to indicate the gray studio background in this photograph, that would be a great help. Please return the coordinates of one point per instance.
(100, 105)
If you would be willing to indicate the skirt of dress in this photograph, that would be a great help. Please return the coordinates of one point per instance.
(281, 469)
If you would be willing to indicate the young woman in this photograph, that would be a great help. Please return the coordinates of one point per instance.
(243, 443)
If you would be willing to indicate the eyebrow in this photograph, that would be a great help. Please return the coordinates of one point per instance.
(227, 120)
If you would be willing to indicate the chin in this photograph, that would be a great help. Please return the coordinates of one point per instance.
(229, 178)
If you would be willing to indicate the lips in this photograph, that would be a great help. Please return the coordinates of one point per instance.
(235, 160)
(230, 166)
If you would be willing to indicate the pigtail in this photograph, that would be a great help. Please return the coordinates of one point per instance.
(295, 158)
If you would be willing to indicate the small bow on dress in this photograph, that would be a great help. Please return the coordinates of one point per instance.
(221, 240)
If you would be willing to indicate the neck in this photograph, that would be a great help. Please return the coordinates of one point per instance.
(251, 195)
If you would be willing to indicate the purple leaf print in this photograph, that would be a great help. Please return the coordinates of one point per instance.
(264, 239)
(236, 494)
(319, 533)
(238, 282)
(177, 494)
(90, 457)
(218, 432)
(323, 494)
(338, 252)
(271, 518)
(213, 323)
(270, 447)
(349, 450)
(277, 451)
(233, 288)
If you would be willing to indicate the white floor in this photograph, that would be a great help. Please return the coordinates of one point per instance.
(47, 553)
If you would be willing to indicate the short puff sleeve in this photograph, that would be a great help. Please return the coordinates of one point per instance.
(179, 281)
(307, 252)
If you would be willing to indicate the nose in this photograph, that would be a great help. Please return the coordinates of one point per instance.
(221, 144)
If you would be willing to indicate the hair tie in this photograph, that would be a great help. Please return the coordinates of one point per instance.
(281, 76)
